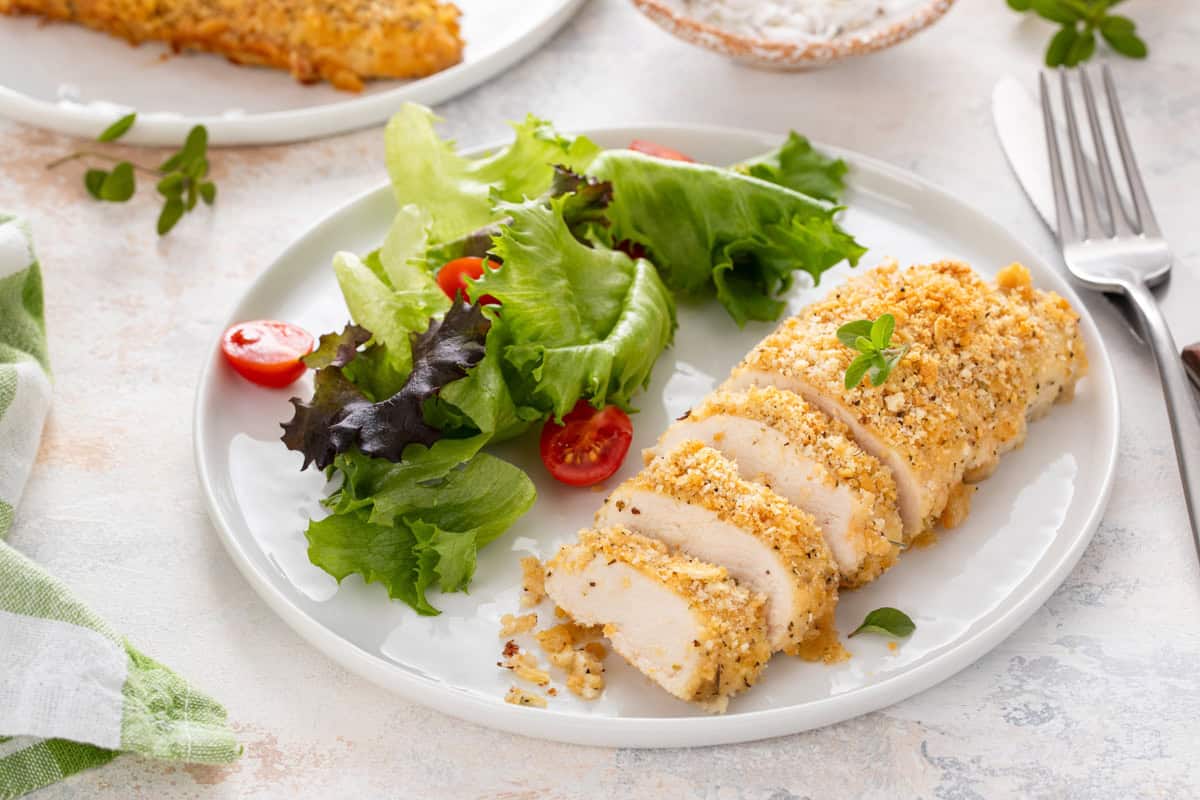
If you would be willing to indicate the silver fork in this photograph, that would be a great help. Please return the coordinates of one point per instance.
(1120, 251)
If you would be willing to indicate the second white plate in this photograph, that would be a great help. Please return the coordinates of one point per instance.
(1029, 522)
(77, 81)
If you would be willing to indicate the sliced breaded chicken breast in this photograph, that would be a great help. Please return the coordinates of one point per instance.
(777, 439)
(982, 360)
(684, 623)
(343, 43)
(692, 498)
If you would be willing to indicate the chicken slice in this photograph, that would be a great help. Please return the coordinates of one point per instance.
(692, 498)
(683, 623)
(983, 359)
(809, 459)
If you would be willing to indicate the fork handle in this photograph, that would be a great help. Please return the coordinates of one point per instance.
(1181, 402)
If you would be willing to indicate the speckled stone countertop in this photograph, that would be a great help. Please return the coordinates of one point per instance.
(1097, 696)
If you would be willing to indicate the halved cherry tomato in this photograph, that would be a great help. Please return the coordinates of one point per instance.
(452, 277)
(652, 149)
(589, 446)
(267, 352)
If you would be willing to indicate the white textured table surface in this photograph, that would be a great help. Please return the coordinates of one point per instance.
(1096, 697)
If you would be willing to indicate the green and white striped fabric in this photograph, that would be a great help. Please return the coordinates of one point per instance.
(73, 693)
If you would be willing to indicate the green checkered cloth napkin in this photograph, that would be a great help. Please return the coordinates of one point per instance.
(73, 693)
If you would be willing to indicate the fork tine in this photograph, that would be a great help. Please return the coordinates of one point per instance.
(1119, 219)
(1062, 202)
(1087, 198)
(1141, 201)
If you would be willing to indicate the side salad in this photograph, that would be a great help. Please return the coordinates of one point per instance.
(535, 285)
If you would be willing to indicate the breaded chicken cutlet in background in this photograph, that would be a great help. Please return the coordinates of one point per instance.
(784, 483)
(345, 43)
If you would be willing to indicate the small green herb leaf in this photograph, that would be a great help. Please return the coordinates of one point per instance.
(208, 192)
(851, 332)
(1117, 25)
(1127, 44)
(872, 340)
(881, 331)
(171, 185)
(887, 621)
(1055, 11)
(1081, 20)
(1060, 45)
(118, 185)
(857, 369)
(172, 210)
(117, 129)
(1083, 48)
(93, 179)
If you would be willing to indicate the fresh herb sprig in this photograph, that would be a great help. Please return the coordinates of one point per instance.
(181, 179)
(888, 621)
(876, 355)
(1075, 41)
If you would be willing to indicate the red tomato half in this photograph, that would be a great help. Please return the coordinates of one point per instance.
(652, 149)
(267, 352)
(453, 278)
(589, 446)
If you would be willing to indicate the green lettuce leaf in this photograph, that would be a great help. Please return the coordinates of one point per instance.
(580, 321)
(457, 192)
(712, 230)
(797, 165)
(417, 524)
(391, 314)
(482, 402)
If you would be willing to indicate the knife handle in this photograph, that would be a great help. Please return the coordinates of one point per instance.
(1191, 363)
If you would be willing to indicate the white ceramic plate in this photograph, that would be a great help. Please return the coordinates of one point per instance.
(1029, 525)
(76, 81)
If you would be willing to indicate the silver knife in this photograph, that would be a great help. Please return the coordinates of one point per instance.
(1018, 120)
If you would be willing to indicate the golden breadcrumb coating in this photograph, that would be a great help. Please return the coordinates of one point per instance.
(584, 665)
(533, 588)
(982, 360)
(512, 625)
(827, 442)
(344, 43)
(732, 639)
(699, 475)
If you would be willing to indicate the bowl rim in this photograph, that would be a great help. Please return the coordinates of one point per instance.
(868, 39)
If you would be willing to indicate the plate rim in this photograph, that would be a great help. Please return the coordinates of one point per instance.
(165, 129)
(661, 732)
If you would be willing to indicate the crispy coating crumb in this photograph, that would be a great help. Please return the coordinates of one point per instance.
(525, 666)
(512, 625)
(826, 648)
(584, 667)
(520, 697)
(533, 582)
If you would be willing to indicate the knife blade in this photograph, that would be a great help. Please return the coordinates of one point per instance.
(1018, 125)
(1018, 121)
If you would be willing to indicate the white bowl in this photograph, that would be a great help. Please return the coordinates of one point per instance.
(796, 54)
